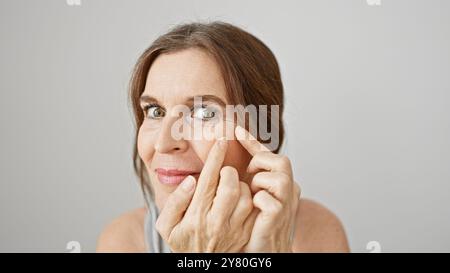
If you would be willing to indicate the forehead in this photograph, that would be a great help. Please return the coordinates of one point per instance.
(176, 76)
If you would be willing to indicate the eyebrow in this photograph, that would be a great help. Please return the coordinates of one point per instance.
(148, 99)
(210, 98)
(190, 100)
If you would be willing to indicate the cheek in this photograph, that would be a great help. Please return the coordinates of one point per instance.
(146, 143)
(201, 148)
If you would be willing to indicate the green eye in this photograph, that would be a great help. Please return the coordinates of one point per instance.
(204, 113)
(155, 112)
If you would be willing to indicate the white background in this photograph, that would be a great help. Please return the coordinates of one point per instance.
(367, 117)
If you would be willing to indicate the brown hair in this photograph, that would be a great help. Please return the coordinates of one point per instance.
(249, 69)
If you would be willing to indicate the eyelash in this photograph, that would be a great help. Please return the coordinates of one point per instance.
(148, 106)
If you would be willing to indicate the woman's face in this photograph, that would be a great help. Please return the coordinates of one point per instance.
(172, 83)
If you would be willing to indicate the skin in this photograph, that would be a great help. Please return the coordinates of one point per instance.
(244, 197)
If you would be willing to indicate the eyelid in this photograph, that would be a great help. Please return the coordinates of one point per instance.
(194, 107)
(214, 108)
(207, 105)
(145, 107)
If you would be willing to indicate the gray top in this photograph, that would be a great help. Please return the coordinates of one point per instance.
(154, 242)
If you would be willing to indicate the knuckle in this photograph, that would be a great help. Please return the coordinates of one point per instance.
(259, 175)
(231, 192)
(259, 156)
(284, 180)
(284, 162)
(258, 197)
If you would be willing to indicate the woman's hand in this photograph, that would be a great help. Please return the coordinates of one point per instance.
(216, 216)
(276, 195)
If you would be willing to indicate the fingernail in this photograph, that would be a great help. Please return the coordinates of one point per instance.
(239, 132)
(188, 183)
(222, 142)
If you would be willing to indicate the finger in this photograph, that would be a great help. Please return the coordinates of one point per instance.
(249, 223)
(250, 143)
(270, 208)
(174, 207)
(270, 162)
(278, 184)
(227, 195)
(244, 206)
(208, 179)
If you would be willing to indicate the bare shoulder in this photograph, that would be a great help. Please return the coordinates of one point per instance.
(318, 229)
(124, 234)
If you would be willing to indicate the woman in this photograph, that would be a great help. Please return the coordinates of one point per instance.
(228, 193)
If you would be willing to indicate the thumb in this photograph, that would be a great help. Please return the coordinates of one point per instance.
(175, 206)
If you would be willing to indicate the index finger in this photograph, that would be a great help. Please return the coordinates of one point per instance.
(209, 176)
(250, 143)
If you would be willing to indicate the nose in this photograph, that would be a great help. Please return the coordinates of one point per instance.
(166, 142)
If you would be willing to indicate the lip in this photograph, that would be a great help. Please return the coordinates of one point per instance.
(173, 176)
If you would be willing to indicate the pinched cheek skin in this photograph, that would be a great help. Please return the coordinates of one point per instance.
(236, 156)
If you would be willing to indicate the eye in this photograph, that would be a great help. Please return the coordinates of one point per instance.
(154, 111)
(204, 112)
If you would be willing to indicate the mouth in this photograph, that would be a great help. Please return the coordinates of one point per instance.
(173, 176)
